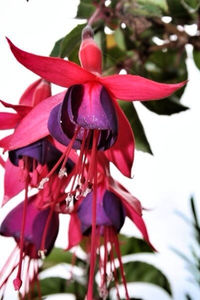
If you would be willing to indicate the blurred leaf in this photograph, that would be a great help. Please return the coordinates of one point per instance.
(159, 3)
(55, 285)
(119, 38)
(188, 297)
(136, 125)
(166, 106)
(178, 12)
(194, 211)
(139, 271)
(168, 66)
(147, 8)
(182, 255)
(71, 40)
(196, 56)
(73, 56)
(58, 256)
(114, 56)
(85, 9)
(191, 5)
(56, 49)
(132, 245)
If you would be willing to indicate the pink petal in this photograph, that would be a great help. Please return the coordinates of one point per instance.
(36, 92)
(56, 70)
(123, 194)
(131, 87)
(4, 143)
(12, 183)
(122, 152)
(8, 120)
(22, 110)
(2, 162)
(34, 125)
(27, 96)
(138, 221)
(74, 234)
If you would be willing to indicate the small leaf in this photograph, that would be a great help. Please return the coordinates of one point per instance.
(56, 49)
(137, 127)
(58, 256)
(144, 272)
(194, 211)
(119, 38)
(55, 285)
(167, 106)
(191, 5)
(71, 40)
(196, 56)
(132, 245)
(85, 9)
(178, 11)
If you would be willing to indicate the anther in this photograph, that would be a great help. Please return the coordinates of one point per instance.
(42, 183)
(42, 253)
(69, 199)
(62, 173)
(103, 292)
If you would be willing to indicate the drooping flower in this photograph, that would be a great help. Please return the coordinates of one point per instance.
(110, 215)
(34, 94)
(87, 117)
(40, 226)
(83, 110)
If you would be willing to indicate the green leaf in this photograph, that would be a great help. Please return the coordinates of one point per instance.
(136, 125)
(191, 5)
(132, 245)
(56, 49)
(119, 38)
(148, 9)
(178, 12)
(196, 56)
(55, 285)
(194, 212)
(85, 9)
(162, 4)
(58, 256)
(169, 67)
(71, 41)
(167, 106)
(144, 272)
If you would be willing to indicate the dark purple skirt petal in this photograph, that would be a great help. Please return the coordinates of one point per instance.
(85, 213)
(42, 152)
(34, 227)
(91, 107)
(110, 211)
(114, 209)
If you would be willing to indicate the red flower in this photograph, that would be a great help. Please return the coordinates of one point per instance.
(67, 74)
(41, 227)
(110, 202)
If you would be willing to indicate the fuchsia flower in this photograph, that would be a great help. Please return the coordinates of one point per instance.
(86, 117)
(113, 204)
(40, 225)
(34, 94)
(95, 101)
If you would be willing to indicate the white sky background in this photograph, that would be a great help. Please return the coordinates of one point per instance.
(163, 182)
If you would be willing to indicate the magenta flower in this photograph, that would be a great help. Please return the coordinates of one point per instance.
(34, 94)
(41, 226)
(84, 111)
(100, 216)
